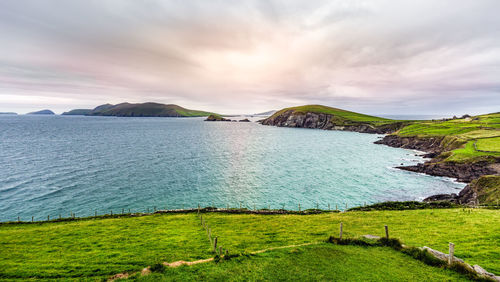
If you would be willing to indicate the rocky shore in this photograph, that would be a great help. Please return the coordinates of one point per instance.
(463, 172)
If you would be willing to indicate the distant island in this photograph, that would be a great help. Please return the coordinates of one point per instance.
(42, 112)
(465, 148)
(139, 110)
(268, 113)
(77, 112)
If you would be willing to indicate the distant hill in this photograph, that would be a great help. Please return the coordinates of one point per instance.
(42, 112)
(77, 112)
(145, 110)
(268, 113)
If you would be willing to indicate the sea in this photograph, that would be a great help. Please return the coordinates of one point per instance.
(62, 165)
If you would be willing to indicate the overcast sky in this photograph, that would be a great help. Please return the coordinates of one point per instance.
(376, 56)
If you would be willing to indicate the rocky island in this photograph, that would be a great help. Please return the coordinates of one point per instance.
(467, 148)
(214, 117)
(42, 112)
(139, 110)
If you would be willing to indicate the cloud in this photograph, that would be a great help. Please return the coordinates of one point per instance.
(371, 56)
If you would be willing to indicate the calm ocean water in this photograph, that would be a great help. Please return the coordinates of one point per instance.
(51, 165)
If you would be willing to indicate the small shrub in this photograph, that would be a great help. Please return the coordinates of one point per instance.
(349, 241)
(391, 242)
(467, 271)
(408, 205)
(157, 267)
(424, 256)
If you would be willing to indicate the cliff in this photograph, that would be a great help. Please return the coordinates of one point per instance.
(327, 118)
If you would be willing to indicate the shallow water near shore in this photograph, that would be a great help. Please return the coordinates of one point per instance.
(51, 165)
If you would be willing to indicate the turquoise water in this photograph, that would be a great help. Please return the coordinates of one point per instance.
(51, 165)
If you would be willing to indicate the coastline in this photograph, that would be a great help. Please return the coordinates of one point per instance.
(431, 148)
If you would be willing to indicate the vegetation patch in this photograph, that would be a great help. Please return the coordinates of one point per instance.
(408, 205)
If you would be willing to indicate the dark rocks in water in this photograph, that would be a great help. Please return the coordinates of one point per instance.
(431, 145)
(484, 190)
(216, 118)
(464, 172)
(244, 120)
(42, 112)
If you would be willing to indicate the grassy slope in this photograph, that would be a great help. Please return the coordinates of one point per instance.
(483, 130)
(102, 247)
(324, 262)
(98, 247)
(352, 116)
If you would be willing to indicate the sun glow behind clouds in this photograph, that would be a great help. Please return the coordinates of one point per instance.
(373, 56)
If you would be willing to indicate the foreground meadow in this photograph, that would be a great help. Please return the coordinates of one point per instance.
(99, 248)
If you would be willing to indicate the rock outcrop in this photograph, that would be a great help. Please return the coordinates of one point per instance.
(463, 172)
(434, 147)
(216, 118)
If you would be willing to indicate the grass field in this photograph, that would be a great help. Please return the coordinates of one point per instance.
(483, 131)
(322, 262)
(99, 248)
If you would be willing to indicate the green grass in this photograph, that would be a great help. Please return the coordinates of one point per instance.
(352, 116)
(322, 262)
(101, 247)
(489, 144)
(467, 154)
(476, 234)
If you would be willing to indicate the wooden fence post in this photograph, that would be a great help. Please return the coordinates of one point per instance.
(341, 227)
(18, 219)
(220, 251)
(32, 218)
(48, 217)
(386, 232)
(299, 207)
(215, 244)
(328, 206)
(336, 207)
(451, 251)
(111, 212)
(346, 206)
(123, 210)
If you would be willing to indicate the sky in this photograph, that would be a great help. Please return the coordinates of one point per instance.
(376, 56)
